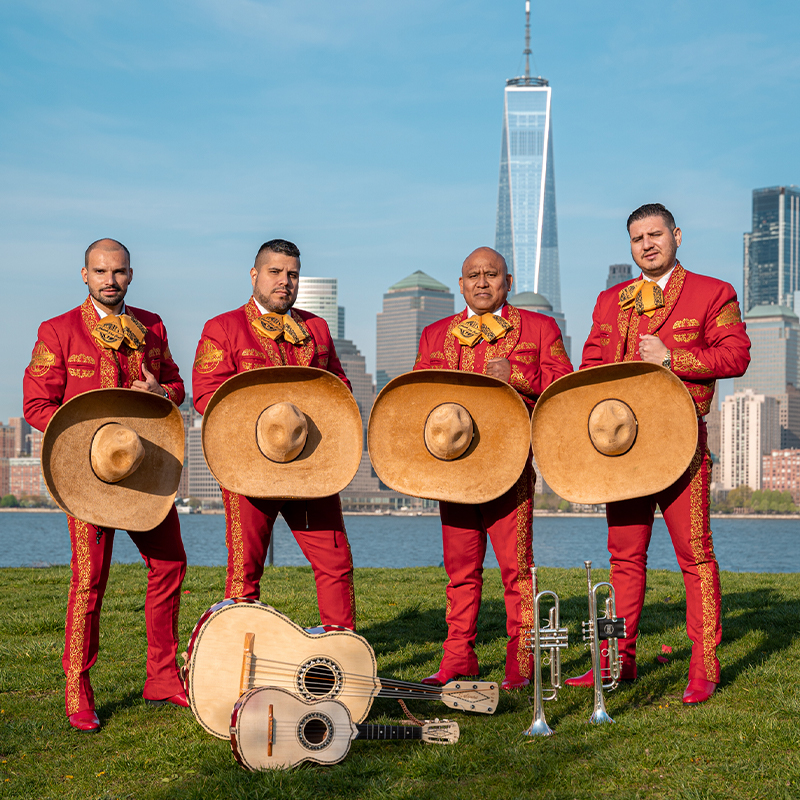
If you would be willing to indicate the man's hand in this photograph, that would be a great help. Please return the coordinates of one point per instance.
(499, 368)
(149, 384)
(652, 349)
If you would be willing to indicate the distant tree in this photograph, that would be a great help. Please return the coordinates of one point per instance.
(193, 502)
(564, 505)
(740, 497)
(9, 501)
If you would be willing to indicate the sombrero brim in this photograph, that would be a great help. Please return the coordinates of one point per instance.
(490, 465)
(666, 439)
(139, 502)
(332, 453)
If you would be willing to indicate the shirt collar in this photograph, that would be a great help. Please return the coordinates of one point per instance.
(664, 279)
(103, 313)
(498, 312)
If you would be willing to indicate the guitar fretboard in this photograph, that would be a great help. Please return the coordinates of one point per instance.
(389, 732)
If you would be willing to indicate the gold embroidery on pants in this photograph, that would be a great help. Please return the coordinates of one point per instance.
(235, 544)
(525, 582)
(77, 614)
(703, 559)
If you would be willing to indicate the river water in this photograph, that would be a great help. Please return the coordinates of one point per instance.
(741, 545)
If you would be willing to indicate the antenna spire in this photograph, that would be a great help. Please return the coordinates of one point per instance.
(527, 51)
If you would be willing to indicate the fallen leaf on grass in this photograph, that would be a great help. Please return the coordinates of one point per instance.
(665, 648)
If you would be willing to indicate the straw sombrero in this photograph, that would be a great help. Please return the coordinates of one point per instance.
(283, 432)
(113, 458)
(449, 435)
(614, 432)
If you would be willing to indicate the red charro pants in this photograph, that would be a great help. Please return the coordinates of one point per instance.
(162, 550)
(630, 525)
(508, 521)
(318, 527)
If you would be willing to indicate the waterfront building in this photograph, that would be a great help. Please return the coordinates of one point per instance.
(532, 301)
(21, 431)
(320, 296)
(8, 448)
(408, 306)
(34, 449)
(750, 429)
(526, 230)
(188, 415)
(618, 273)
(355, 367)
(781, 472)
(25, 478)
(774, 368)
(772, 248)
(202, 485)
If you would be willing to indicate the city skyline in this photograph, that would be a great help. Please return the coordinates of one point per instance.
(165, 136)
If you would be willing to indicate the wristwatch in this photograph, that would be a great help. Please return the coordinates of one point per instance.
(667, 362)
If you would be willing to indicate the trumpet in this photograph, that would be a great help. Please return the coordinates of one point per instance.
(553, 639)
(603, 629)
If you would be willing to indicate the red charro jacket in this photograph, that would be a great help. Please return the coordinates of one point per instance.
(700, 324)
(230, 345)
(533, 346)
(68, 361)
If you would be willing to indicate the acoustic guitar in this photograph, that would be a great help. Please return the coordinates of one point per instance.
(239, 645)
(273, 729)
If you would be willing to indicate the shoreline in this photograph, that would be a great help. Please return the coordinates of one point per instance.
(536, 513)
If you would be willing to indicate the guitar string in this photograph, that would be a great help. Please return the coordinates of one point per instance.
(387, 685)
(355, 689)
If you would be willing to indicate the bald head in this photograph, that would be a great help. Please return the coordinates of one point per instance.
(109, 245)
(485, 281)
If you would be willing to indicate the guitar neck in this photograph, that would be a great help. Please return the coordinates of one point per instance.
(386, 732)
(405, 690)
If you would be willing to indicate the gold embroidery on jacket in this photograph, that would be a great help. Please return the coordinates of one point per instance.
(685, 323)
(729, 316)
(558, 353)
(686, 337)
(81, 365)
(42, 359)
(685, 361)
(208, 357)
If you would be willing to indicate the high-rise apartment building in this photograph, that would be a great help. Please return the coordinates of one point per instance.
(408, 306)
(750, 429)
(526, 230)
(772, 248)
(618, 273)
(775, 364)
(320, 296)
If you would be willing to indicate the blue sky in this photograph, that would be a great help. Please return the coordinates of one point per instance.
(369, 133)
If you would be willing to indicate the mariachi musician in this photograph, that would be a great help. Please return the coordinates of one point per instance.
(104, 343)
(268, 332)
(525, 350)
(690, 324)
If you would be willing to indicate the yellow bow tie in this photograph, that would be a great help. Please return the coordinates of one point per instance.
(645, 295)
(488, 327)
(273, 325)
(112, 331)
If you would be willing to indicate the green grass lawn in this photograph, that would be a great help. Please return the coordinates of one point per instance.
(743, 743)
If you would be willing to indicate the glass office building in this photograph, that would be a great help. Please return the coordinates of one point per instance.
(526, 231)
(772, 248)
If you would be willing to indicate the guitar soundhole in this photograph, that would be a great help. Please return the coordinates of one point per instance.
(320, 677)
(315, 731)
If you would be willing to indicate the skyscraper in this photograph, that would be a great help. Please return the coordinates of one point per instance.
(526, 231)
(772, 248)
(408, 306)
(319, 296)
(774, 369)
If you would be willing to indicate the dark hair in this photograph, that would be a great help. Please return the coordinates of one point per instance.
(277, 246)
(96, 245)
(652, 210)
